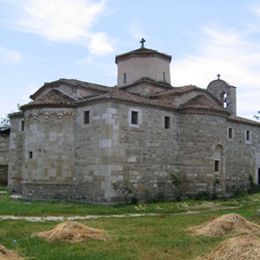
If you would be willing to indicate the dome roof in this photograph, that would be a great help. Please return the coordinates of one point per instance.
(142, 52)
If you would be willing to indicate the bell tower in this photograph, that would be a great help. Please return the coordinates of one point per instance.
(225, 93)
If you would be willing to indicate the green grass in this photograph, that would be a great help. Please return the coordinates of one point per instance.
(150, 238)
(160, 237)
(23, 208)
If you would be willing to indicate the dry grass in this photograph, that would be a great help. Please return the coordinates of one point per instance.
(6, 254)
(72, 231)
(236, 248)
(225, 224)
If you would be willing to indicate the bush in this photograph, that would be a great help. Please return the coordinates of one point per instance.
(176, 182)
(124, 192)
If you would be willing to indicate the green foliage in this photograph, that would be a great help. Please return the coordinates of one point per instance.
(4, 123)
(252, 187)
(176, 182)
(257, 116)
(124, 191)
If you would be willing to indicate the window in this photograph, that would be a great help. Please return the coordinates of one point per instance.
(247, 135)
(216, 166)
(125, 80)
(225, 104)
(164, 77)
(30, 155)
(86, 117)
(166, 122)
(230, 132)
(22, 125)
(134, 117)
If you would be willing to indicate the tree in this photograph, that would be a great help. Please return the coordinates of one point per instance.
(4, 123)
(257, 117)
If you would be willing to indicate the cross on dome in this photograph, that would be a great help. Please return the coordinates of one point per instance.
(142, 42)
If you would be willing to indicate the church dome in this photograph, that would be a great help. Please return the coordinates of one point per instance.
(143, 63)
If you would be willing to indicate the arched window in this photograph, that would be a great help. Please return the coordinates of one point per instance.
(225, 104)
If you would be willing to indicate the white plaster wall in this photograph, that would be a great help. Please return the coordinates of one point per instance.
(143, 67)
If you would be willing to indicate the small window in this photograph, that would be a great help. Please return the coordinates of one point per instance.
(230, 133)
(125, 79)
(166, 122)
(86, 117)
(164, 77)
(217, 166)
(22, 125)
(247, 135)
(30, 155)
(134, 117)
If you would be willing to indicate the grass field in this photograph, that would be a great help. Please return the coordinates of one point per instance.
(161, 237)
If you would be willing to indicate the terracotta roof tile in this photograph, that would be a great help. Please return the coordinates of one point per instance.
(143, 52)
(53, 97)
(202, 101)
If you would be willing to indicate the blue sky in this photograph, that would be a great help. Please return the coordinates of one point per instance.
(44, 40)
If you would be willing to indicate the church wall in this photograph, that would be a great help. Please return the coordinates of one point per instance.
(242, 156)
(202, 140)
(48, 167)
(200, 136)
(95, 144)
(148, 152)
(16, 154)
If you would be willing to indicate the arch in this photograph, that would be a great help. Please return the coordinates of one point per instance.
(224, 99)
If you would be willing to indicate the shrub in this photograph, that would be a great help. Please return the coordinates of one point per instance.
(176, 182)
(124, 191)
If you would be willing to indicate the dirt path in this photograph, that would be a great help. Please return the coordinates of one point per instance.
(86, 217)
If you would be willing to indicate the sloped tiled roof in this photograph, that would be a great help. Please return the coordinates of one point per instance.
(202, 101)
(175, 91)
(52, 98)
(71, 82)
(243, 120)
(163, 85)
(122, 95)
(143, 52)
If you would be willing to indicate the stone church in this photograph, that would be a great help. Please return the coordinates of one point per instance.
(76, 139)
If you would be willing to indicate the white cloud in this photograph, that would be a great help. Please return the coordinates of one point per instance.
(233, 56)
(99, 44)
(9, 56)
(65, 20)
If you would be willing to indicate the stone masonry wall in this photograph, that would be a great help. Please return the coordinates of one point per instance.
(202, 140)
(242, 156)
(48, 167)
(16, 154)
(4, 157)
(109, 149)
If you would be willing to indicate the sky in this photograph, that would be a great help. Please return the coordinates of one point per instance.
(44, 40)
